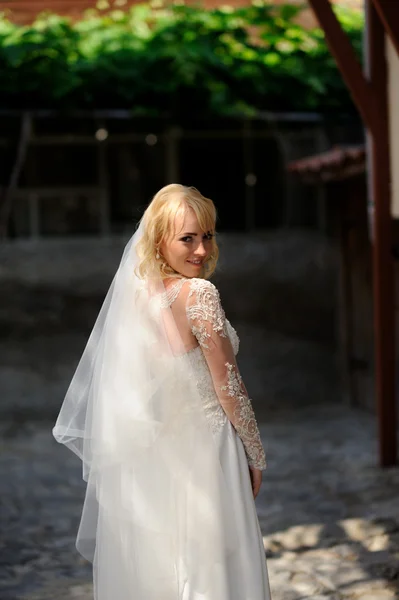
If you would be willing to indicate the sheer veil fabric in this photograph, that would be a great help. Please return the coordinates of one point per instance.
(157, 512)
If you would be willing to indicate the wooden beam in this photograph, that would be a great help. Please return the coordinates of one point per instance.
(370, 95)
(351, 70)
(388, 11)
(103, 182)
(56, 192)
(383, 267)
(6, 201)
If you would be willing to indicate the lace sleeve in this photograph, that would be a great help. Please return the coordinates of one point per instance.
(208, 324)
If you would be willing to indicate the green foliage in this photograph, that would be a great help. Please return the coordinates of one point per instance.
(179, 61)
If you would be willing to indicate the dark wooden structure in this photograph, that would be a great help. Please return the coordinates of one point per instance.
(369, 90)
(342, 173)
(370, 93)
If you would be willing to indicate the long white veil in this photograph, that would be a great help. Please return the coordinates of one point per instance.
(156, 516)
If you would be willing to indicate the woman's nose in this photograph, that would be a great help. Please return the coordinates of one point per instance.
(200, 250)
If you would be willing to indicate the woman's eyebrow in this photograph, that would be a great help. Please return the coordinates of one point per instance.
(189, 234)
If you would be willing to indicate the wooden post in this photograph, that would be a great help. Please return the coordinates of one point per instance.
(7, 199)
(371, 99)
(172, 138)
(34, 216)
(351, 70)
(388, 12)
(322, 210)
(345, 298)
(250, 177)
(104, 217)
(383, 268)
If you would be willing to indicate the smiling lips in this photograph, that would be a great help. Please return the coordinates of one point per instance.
(196, 263)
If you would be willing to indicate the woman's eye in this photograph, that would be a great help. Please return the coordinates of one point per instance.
(188, 238)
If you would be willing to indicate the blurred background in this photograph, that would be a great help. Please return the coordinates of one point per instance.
(101, 105)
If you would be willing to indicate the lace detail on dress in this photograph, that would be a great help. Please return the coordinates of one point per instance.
(213, 410)
(219, 344)
(206, 310)
(244, 418)
(170, 294)
(234, 339)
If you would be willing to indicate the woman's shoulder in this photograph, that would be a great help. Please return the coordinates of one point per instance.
(200, 286)
(192, 291)
(197, 283)
(203, 292)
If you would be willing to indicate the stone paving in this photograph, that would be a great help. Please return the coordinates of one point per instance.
(329, 516)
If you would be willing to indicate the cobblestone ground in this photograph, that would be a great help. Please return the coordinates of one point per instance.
(329, 515)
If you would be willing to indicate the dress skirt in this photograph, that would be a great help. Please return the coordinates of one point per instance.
(246, 576)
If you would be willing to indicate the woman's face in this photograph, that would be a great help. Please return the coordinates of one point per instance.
(188, 247)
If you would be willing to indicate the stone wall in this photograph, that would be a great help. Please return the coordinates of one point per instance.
(277, 289)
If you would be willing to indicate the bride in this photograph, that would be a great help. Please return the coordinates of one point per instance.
(160, 417)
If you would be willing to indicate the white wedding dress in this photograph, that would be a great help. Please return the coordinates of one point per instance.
(160, 417)
(196, 306)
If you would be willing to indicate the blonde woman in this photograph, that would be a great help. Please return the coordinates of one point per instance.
(161, 419)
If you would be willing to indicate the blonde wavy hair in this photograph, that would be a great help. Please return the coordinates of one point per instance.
(159, 221)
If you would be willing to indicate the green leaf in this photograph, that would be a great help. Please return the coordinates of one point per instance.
(178, 59)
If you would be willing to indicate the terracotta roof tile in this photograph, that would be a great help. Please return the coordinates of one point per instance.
(338, 163)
